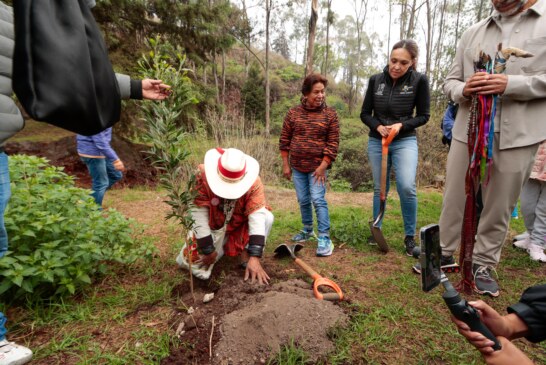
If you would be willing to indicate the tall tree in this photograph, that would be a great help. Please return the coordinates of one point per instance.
(281, 46)
(361, 11)
(330, 18)
(268, 6)
(311, 39)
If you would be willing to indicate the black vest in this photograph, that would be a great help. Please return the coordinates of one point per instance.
(393, 104)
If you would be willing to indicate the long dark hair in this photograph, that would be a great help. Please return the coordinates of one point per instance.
(411, 46)
(310, 81)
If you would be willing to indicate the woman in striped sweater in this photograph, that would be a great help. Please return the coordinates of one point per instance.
(309, 143)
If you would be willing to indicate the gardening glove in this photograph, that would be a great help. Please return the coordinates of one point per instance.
(255, 271)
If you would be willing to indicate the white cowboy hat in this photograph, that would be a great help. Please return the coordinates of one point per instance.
(230, 173)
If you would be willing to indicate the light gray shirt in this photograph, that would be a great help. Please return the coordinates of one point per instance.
(522, 119)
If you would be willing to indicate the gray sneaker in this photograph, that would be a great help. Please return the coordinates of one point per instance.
(483, 282)
(521, 236)
(304, 235)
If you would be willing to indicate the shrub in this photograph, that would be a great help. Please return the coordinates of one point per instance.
(58, 237)
(352, 229)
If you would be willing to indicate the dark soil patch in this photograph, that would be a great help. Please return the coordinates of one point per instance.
(63, 153)
(251, 322)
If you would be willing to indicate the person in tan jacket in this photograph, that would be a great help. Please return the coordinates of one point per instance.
(518, 128)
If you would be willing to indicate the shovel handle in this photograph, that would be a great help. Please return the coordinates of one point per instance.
(332, 297)
(385, 142)
(338, 295)
(319, 281)
(312, 273)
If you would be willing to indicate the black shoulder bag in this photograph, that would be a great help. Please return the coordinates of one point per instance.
(61, 71)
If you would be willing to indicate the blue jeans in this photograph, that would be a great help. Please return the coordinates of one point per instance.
(103, 176)
(3, 330)
(5, 194)
(403, 154)
(310, 193)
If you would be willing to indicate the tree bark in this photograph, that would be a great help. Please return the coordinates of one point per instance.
(268, 5)
(223, 77)
(311, 39)
(329, 21)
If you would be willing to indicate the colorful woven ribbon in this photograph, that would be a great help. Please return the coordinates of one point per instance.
(481, 126)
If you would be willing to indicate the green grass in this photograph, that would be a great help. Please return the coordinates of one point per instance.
(35, 132)
(391, 320)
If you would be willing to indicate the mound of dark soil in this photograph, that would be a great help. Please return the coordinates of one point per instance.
(248, 324)
(63, 153)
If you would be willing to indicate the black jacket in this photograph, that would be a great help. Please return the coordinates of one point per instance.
(531, 308)
(386, 104)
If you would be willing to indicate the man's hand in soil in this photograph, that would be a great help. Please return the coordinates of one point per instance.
(255, 271)
(206, 260)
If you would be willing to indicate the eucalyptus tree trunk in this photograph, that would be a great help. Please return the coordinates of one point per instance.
(215, 75)
(403, 18)
(247, 53)
(430, 27)
(311, 38)
(329, 21)
(412, 20)
(360, 18)
(223, 77)
(459, 6)
(268, 5)
(440, 41)
(389, 35)
(480, 11)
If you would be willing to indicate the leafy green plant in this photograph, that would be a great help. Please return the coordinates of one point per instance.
(169, 151)
(58, 238)
(350, 230)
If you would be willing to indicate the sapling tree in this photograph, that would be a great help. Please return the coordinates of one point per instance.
(164, 133)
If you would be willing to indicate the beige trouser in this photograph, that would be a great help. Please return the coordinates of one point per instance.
(510, 169)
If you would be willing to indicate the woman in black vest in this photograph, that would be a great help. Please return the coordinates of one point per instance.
(391, 99)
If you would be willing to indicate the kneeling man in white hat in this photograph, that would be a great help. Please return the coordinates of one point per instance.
(230, 215)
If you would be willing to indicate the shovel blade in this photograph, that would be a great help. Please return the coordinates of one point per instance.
(285, 249)
(379, 238)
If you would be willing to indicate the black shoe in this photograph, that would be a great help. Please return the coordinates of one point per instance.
(447, 263)
(409, 241)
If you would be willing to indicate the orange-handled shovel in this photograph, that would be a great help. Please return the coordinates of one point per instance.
(374, 225)
(318, 281)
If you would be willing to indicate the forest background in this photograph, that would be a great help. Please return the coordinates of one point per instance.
(245, 62)
(83, 286)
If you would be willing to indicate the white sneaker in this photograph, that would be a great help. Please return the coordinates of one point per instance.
(536, 253)
(524, 244)
(520, 236)
(13, 354)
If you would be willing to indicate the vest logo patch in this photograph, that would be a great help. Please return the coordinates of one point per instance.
(406, 90)
(380, 89)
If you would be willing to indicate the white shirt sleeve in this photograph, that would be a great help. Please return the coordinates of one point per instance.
(201, 226)
(256, 222)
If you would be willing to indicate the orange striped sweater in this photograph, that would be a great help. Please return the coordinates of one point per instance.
(309, 136)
